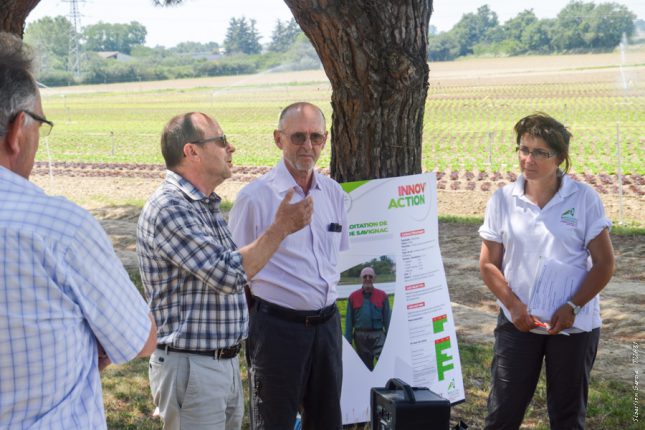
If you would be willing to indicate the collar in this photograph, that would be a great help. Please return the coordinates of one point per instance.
(518, 186)
(188, 188)
(16, 179)
(567, 187)
(284, 180)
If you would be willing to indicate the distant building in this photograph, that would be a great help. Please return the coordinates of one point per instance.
(208, 56)
(114, 55)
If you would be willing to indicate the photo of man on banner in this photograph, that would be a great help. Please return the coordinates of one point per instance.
(367, 319)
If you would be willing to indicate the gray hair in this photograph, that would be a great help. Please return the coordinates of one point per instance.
(179, 130)
(18, 88)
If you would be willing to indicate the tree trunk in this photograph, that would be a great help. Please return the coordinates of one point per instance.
(374, 54)
(13, 14)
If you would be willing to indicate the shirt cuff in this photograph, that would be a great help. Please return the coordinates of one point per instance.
(236, 264)
(488, 234)
(596, 228)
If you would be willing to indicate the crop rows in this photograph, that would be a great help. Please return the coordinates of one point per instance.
(467, 128)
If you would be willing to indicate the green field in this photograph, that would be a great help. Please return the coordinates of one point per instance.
(468, 123)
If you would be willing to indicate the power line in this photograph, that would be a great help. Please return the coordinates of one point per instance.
(74, 49)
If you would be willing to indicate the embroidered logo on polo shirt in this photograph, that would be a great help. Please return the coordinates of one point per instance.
(568, 217)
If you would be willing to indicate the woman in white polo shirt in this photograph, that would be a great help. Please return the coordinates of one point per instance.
(544, 216)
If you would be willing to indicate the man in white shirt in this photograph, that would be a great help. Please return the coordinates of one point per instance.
(295, 338)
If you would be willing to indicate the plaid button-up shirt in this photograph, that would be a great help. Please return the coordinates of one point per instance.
(190, 268)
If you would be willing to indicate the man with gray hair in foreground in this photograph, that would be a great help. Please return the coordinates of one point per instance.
(67, 305)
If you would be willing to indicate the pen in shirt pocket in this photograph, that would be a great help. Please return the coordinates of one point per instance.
(335, 227)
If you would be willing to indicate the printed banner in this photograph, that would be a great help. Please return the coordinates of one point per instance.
(393, 235)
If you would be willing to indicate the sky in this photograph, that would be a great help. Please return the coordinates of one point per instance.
(207, 20)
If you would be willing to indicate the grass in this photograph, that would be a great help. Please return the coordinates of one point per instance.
(620, 230)
(129, 406)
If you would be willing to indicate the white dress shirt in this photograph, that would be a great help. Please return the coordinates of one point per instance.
(302, 273)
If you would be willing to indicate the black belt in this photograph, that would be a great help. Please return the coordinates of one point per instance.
(368, 329)
(308, 318)
(230, 352)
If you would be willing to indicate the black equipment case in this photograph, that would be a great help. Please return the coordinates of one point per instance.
(401, 407)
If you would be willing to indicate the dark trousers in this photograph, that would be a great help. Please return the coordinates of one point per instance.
(294, 367)
(516, 367)
(369, 345)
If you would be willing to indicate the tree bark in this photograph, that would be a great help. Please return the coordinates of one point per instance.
(13, 14)
(375, 56)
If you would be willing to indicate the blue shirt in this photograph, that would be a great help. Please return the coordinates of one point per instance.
(190, 268)
(62, 289)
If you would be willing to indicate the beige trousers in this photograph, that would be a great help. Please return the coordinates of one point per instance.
(196, 392)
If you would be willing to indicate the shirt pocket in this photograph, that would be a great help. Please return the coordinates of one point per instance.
(331, 245)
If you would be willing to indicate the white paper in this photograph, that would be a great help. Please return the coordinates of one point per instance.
(555, 284)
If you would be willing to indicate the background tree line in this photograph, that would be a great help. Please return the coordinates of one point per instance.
(579, 27)
(241, 52)
(384, 266)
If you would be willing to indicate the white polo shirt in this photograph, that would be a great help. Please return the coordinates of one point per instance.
(561, 231)
(302, 273)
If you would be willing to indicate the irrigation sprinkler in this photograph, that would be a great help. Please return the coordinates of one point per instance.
(623, 46)
(490, 149)
(564, 115)
(113, 143)
(619, 173)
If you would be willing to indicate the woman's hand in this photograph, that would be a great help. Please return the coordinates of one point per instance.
(521, 318)
(563, 318)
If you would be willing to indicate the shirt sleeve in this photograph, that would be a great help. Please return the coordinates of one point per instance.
(111, 305)
(349, 321)
(386, 313)
(489, 230)
(182, 238)
(243, 220)
(595, 214)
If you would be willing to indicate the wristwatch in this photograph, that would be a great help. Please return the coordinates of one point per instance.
(574, 307)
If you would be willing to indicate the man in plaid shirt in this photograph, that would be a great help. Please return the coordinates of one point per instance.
(194, 277)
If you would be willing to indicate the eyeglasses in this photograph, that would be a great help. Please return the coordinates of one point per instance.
(538, 154)
(219, 140)
(299, 138)
(45, 125)
(368, 277)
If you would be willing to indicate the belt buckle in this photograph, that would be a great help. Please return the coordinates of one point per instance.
(312, 320)
(233, 350)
